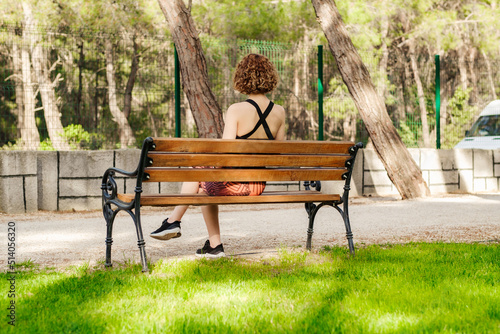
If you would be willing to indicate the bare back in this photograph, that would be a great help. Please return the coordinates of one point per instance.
(242, 118)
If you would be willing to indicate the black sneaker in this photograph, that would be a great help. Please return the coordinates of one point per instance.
(209, 252)
(167, 230)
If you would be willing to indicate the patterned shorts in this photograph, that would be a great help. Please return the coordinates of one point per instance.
(233, 188)
(215, 188)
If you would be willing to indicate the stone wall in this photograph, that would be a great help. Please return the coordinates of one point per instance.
(18, 181)
(71, 180)
(445, 171)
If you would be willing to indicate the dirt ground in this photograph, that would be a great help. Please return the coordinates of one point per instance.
(63, 239)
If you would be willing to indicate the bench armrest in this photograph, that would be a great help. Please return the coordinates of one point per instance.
(114, 170)
(109, 186)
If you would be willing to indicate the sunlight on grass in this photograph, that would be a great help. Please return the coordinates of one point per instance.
(384, 289)
(390, 322)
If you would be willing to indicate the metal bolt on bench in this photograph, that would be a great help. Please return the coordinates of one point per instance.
(172, 159)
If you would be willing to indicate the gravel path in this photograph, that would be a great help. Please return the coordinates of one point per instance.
(60, 240)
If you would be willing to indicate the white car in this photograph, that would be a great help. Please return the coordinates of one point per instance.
(485, 132)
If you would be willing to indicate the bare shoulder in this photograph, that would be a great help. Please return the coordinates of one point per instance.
(239, 107)
(280, 111)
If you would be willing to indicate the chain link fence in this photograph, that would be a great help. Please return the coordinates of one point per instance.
(61, 88)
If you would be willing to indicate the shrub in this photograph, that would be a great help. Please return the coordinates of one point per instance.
(461, 114)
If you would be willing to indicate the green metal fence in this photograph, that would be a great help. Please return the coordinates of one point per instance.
(75, 62)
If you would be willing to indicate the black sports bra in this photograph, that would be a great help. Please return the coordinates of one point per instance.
(262, 120)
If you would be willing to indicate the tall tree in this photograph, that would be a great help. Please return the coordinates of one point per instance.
(123, 22)
(420, 92)
(27, 123)
(410, 21)
(284, 21)
(46, 86)
(401, 168)
(206, 111)
(126, 135)
(35, 68)
(18, 75)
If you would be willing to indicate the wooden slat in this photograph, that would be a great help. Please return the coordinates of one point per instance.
(266, 197)
(242, 160)
(243, 175)
(199, 145)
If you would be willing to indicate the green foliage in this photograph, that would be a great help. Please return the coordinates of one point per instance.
(287, 21)
(449, 28)
(8, 129)
(408, 134)
(46, 145)
(12, 146)
(78, 138)
(413, 288)
(95, 142)
(75, 135)
(338, 95)
(461, 115)
(362, 21)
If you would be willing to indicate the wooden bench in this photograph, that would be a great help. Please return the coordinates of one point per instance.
(172, 159)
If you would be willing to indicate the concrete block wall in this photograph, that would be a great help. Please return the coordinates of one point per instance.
(80, 174)
(66, 180)
(18, 181)
(71, 180)
(445, 171)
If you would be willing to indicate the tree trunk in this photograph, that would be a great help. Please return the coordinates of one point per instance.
(445, 92)
(29, 132)
(382, 86)
(462, 66)
(420, 92)
(490, 76)
(206, 110)
(134, 68)
(401, 168)
(296, 78)
(81, 62)
(228, 87)
(126, 135)
(400, 81)
(472, 59)
(47, 92)
(188, 116)
(407, 87)
(18, 74)
(349, 126)
(152, 122)
(96, 97)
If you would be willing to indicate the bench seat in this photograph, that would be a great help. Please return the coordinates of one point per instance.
(266, 197)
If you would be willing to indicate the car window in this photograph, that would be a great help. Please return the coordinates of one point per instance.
(486, 126)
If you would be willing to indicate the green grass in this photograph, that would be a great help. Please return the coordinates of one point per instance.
(413, 288)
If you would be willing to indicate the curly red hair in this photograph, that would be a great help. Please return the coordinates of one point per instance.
(255, 74)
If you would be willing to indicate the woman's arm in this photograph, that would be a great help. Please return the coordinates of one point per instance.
(231, 124)
(280, 135)
(281, 132)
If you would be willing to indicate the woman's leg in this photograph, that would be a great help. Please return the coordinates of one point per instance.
(180, 210)
(211, 212)
(171, 227)
(211, 216)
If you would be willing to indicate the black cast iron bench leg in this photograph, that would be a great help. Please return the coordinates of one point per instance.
(345, 217)
(140, 240)
(312, 209)
(109, 216)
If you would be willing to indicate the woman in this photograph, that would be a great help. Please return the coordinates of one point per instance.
(255, 76)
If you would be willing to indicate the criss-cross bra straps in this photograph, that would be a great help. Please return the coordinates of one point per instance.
(262, 120)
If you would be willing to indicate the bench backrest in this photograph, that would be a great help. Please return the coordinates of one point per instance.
(172, 159)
